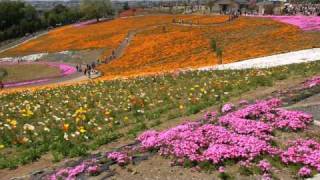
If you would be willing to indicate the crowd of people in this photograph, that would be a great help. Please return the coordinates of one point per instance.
(88, 70)
(302, 9)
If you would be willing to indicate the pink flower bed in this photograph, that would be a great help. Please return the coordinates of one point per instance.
(242, 134)
(70, 173)
(306, 152)
(315, 81)
(120, 157)
(303, 22)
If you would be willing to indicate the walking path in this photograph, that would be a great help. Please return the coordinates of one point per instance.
(21, 41)
(118, 52)
(302, 56)
(204, 25)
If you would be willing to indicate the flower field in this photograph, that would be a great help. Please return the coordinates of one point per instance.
(246, 136)
(106, 35)
(303, 22)
(70, 121)
(167, 48)
(160, 46)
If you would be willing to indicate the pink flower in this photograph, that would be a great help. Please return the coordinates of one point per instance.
(93, 170)
(221, 169)
(120, 157)
(227, 108)
(304, 172)
(264, 165)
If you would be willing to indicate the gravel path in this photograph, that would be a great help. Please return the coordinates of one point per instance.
(20, 41)
(310, 105)
(295, 57)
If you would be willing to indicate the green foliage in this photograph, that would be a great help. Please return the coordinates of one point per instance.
(3, 74)
(126, 6)
(213, 45)
(96, 8)
(219, 52)
(19, 19)
(224, 176)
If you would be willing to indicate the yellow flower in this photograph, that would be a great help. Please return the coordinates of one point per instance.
(26, 112)
(1, 146)
(181, 107)
(82, 130)
(12, 122)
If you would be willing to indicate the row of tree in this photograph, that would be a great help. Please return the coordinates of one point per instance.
(18, 18)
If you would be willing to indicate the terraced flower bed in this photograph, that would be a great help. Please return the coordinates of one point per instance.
(161, 45)
(70, 121)
(169, 47)
(257, 139)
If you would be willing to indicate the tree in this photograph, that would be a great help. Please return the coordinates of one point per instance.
(210, 4)
(96, 8)
(213, 44)
(126, 6)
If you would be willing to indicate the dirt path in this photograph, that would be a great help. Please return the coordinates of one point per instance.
(20, 41)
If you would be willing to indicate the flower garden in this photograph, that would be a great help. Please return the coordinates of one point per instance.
(258, 138)
(74, 120)
(161, 46)
(247, 136)
(166, 48)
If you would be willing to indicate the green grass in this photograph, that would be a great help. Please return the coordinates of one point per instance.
(24, 72)
(73, 120)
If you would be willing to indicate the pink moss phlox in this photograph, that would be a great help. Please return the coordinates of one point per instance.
(305, 172)
(301, 151)
(227, 108)
(120, 157)
(310, 83)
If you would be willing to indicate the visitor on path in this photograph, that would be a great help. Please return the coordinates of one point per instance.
(85, 71)
(93, 65)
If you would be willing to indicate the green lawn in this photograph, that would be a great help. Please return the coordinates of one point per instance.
(24, 72)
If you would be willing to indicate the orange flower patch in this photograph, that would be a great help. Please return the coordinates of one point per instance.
(160, 50)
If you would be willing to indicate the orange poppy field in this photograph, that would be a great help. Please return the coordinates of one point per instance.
(161, 46)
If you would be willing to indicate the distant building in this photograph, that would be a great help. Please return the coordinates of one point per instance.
(228, 6)
(271, 7)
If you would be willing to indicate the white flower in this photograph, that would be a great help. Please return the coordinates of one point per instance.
(28, 127)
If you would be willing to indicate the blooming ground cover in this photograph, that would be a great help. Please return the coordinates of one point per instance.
(167, 48)
(304, 22)
(244, 136)
(70, 121)
(106, 35)
(162, 46)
